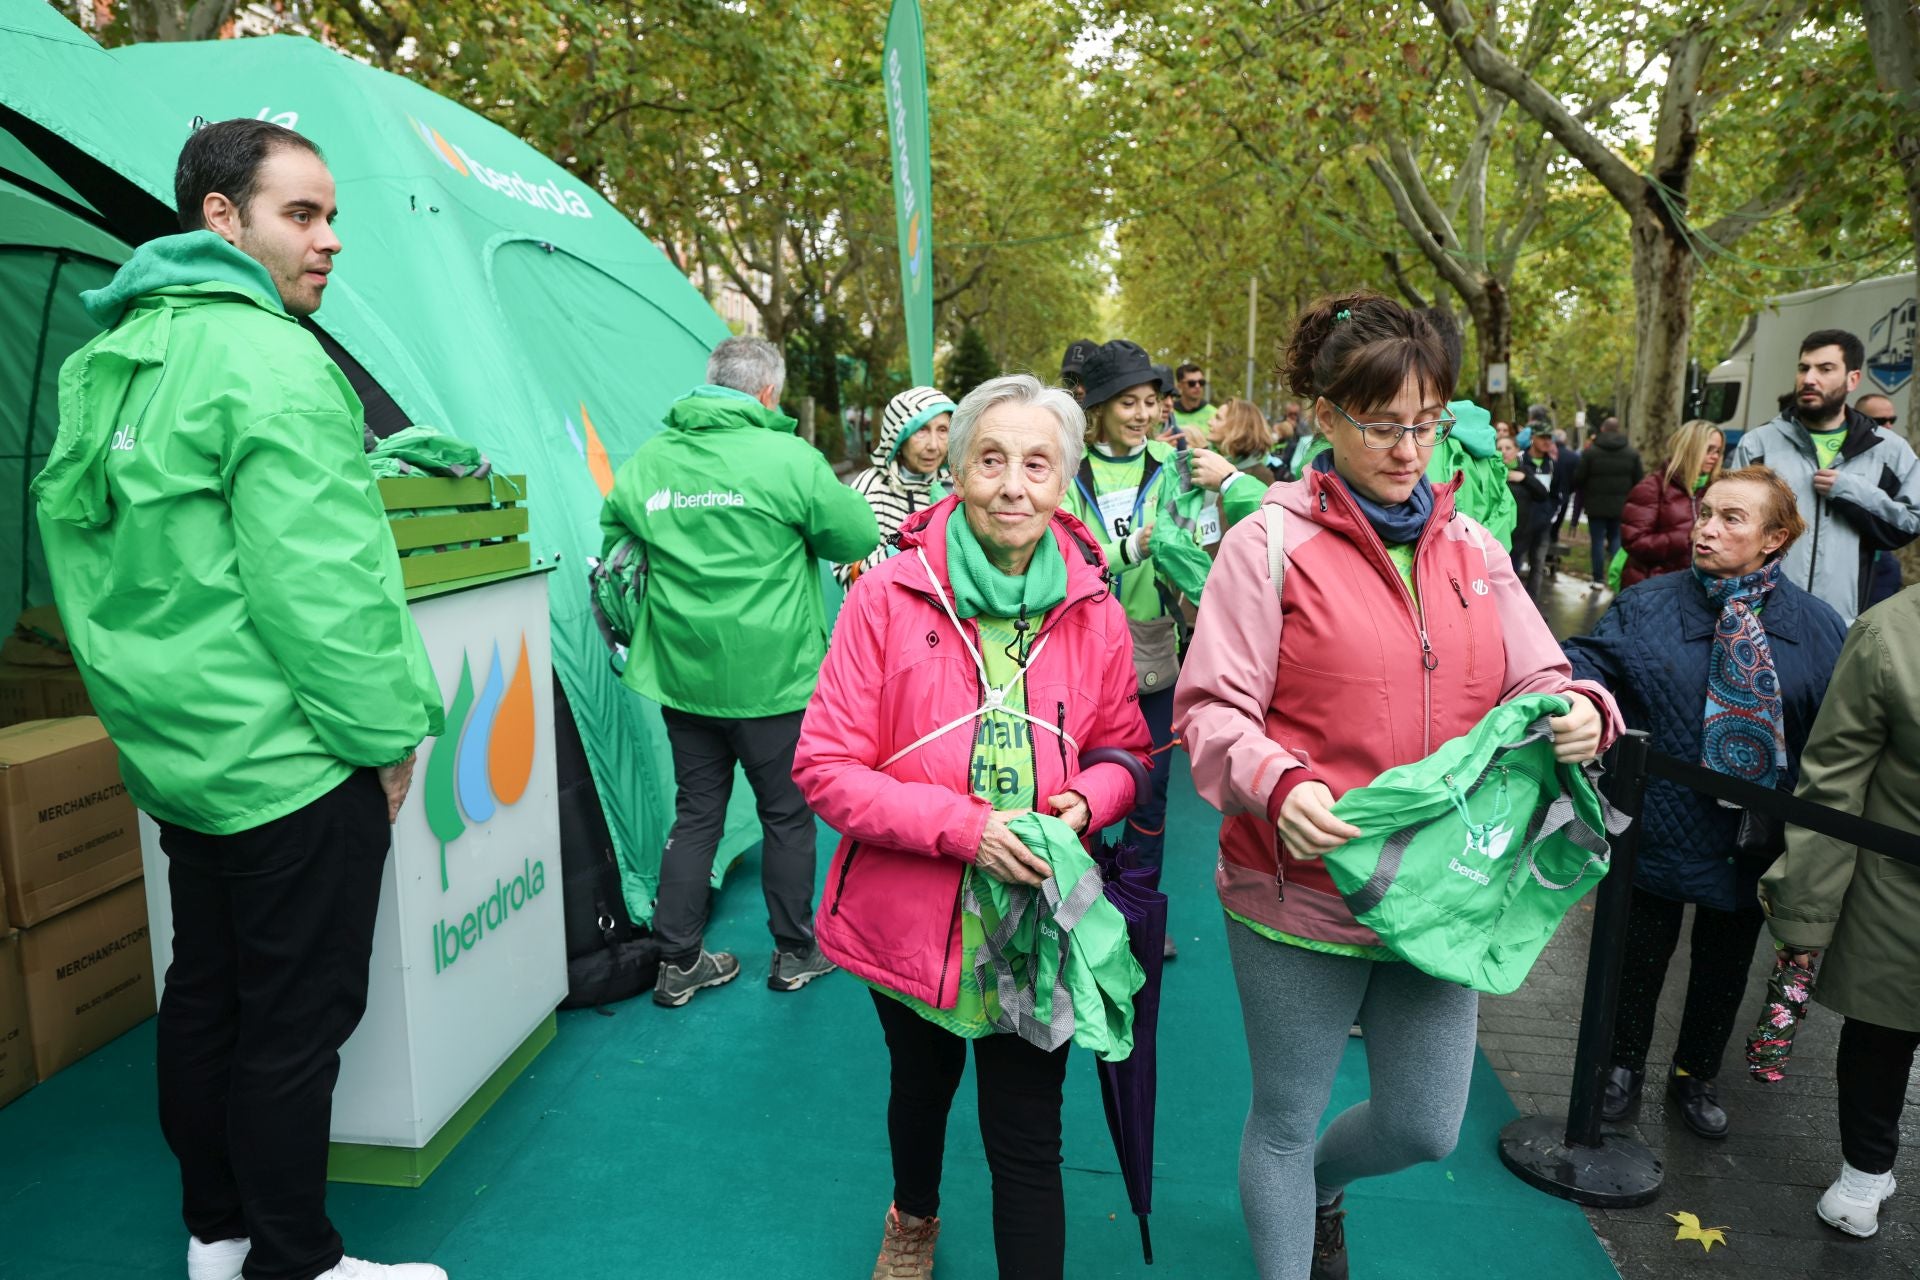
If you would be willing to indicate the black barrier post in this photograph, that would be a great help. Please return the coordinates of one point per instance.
(1574, 1159)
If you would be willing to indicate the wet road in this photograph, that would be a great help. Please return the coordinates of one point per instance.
(1570, 607)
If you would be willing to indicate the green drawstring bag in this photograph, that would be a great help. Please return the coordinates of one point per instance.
(1053, 963)
(1471, 857)
(1178, 558)
(1616, 567)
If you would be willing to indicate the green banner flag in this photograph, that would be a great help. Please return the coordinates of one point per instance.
(904, 70)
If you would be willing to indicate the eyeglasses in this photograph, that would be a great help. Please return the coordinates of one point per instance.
(1387, 435)
(1193, 382)
(1887, 421)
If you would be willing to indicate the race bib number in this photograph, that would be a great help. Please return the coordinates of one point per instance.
(1208, 532)
(1116, 511)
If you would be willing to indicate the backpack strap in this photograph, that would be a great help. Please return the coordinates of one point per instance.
(1277, 548)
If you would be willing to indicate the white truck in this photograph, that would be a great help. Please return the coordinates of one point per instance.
(1743, 391)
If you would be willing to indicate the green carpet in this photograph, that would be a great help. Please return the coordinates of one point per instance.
(744, 1135)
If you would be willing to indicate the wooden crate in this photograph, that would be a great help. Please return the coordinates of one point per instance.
(488, 513)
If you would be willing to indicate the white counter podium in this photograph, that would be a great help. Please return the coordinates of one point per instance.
(469, 951)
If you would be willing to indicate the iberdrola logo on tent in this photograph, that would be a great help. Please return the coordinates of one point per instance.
(484, 760)
(549, 195)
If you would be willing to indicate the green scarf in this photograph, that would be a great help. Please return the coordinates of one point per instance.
(980, 590)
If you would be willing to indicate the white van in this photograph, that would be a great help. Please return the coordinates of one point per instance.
(1743, 391)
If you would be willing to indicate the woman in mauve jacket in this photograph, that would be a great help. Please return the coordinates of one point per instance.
(1656, 527)
(1402, 626)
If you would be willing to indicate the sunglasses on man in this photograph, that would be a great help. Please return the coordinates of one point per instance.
(1887, 421)
(1193, 382)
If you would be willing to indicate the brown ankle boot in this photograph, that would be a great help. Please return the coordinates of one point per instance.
(906, 1253)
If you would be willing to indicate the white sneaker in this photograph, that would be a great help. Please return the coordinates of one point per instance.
(1852, 1203)
(355, 1269)
(220, 1260)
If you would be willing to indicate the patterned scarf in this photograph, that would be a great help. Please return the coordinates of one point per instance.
(1744, 735)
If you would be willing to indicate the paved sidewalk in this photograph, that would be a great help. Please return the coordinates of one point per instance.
(1783, 1147)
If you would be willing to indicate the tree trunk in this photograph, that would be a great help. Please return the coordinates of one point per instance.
(1663, 270)
(1893, 33)
(1493, 335)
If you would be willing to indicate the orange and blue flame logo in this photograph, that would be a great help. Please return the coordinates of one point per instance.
(441, 147)
(484, 760)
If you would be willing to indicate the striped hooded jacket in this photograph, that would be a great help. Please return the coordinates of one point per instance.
(891, 490)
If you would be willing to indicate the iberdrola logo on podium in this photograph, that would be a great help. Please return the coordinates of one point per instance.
(481, 764)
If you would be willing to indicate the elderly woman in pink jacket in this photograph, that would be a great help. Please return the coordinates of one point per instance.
(966, 677)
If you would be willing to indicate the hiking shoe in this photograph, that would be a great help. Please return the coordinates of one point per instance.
(1852, 1203)
(356, 1269)
(1699, 1101)
(220, 1260)
(1330, 1241)
(676, 985)
(906, 1252)
(790, 972)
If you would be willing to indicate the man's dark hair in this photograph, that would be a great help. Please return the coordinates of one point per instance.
(226, 157)
(1180, 374)
(1853, 352)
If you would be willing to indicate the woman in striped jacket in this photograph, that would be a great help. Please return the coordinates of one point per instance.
(908, 468)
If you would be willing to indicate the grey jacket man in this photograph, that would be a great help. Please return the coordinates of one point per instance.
(1874, 505)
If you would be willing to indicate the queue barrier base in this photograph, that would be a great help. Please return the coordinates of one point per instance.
(383, 1166)
(1620, 1173)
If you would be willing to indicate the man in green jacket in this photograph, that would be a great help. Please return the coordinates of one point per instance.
(733, 511)
(233, 598)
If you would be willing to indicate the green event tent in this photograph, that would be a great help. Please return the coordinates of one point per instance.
(483, 288)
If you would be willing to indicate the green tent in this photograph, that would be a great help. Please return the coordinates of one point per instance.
(483, 289)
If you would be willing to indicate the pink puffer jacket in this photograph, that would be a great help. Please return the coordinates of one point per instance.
(1345, 679)
(896, 670)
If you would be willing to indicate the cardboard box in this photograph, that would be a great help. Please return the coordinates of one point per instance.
(63, 694)
(16, 1046)
(22, 694)
(67, 826)
(88, 976)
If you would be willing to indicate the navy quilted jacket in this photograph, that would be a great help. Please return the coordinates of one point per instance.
(1651, 650)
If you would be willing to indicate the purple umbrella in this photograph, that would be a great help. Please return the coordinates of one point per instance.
(1127, 1087)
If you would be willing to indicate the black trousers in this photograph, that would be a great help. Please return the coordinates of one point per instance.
(272, 932)
(1019, 1127)
(1529, 558)
(1722, 952)
(1872, 1070)
(705, 749)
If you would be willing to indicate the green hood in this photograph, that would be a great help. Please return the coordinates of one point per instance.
(709, 407)
(193, 262)
(1473, 429)
(197, 266)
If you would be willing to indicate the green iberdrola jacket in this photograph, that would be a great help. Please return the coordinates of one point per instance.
(219, 550)
(733, 510)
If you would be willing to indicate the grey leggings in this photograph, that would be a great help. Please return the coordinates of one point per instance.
(1299, 1006)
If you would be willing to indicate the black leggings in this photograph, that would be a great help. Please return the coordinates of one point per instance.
(1872, 1070)
(1722, 952)
(1019, 1126)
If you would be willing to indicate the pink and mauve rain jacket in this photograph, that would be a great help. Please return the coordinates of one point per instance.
(896, 669)
(1345, 679)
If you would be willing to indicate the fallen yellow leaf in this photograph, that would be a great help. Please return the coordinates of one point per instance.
(1690, 1229)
